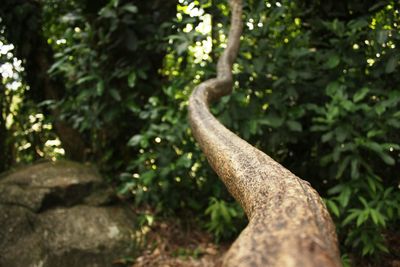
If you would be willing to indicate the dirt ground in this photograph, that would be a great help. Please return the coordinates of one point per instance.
(169, 244)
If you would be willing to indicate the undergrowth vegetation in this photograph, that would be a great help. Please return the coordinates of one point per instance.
(317, 88)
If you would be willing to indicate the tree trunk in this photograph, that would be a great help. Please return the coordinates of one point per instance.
(3, 136)
(40, 62)
(289, 224)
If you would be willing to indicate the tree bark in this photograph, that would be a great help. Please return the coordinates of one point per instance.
(4, 156)
(289, 224)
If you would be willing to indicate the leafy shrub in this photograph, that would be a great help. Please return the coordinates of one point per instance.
(225, 218)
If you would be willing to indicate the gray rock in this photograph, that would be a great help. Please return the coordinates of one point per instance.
(19, 245)
(15, 195)
(61, 183)
(50, 216)
(87, 236)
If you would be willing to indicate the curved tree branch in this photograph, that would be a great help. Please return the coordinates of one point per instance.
(289, 224)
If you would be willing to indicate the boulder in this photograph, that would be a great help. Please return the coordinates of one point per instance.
(57, 214)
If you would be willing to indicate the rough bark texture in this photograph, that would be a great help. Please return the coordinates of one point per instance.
(289, 224)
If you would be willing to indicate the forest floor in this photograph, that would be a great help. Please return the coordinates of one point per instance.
(171, 244)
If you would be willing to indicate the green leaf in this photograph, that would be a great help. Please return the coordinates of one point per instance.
(342, 167)
(382, 36)
(367, 249)
(341, 134)
(374, 133)
(132, 79)
(379, 4)
(233, 213)
(107, 12)
(299, 52)
(259, 64)
(294, 126)
(114, 3)
(135, 140)
(332, 88)
(382, 247)
(379, 150)
(130, 8)
(391, 146)
(184, 161)
(333, 207)
(380, 109)
(387, 159)
(126, 187)
(100, 87)
(374, 215)
(394, 123)
(326, 137)
(351, 217)
(347, 105)
(115, 94)
(133, 107)
(336, 189)
(371, 183)
(391, 64)
(387, 192)
(326, 159)
(319, 128)
(355, 172)
(224, 212)
(364, 202)
(85, 79)
(272, 120)
(147, 177)
(358, 24)
(338, 27)
(56, 65)
(332, 62)
(182, 47)
(360, 94)
(344, 197)
(362, 218)
(252, 126)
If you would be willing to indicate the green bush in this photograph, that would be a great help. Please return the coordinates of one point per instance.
(224, 218)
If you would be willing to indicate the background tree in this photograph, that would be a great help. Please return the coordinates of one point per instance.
(22, 22)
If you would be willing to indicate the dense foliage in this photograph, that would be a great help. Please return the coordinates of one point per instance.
(317, 88)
